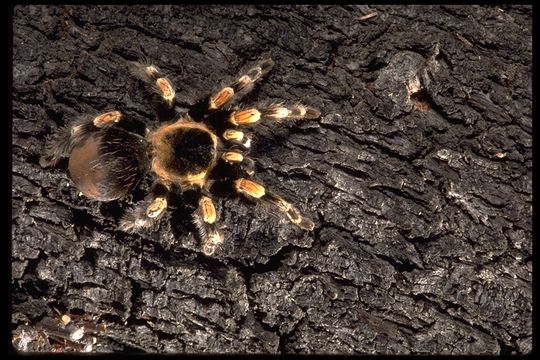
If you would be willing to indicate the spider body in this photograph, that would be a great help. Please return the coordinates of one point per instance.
(184, 152)
(193, 151)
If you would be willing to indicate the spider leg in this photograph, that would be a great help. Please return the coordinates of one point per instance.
(60, 144)
(238, 159)
(275, 113)
(144, 216)
(237, 89)
(205, 219)
(160, 84)
(224, 119)
(237, 137)
(107, 118)
(258, 192)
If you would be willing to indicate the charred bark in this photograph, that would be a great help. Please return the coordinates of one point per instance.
(418, 176)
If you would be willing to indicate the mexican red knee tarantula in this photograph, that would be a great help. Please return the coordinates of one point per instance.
(106, 160)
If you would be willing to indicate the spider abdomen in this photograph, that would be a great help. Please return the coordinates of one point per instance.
(107, 165)
(183, 152)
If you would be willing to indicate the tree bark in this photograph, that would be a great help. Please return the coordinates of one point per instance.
(417, 175)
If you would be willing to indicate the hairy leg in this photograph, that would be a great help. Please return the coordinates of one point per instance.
(147, 213)
(205, 219)
(60, 144)
(235, 90)
(258, 192)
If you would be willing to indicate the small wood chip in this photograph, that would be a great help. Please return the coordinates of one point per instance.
(465, 41)
(368, 16)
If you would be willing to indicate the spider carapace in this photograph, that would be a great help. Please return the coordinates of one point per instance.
(195, 151)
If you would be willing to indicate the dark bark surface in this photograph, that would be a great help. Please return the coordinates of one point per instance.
(418, 177)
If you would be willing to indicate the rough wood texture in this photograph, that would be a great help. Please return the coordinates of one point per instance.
(418, 176)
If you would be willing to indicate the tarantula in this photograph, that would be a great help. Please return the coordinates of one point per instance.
(107, 160)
